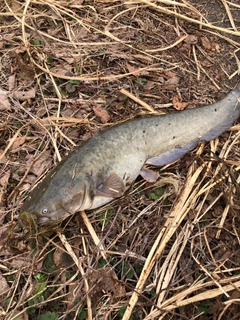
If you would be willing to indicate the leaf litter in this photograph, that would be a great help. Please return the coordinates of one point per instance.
(69, 69)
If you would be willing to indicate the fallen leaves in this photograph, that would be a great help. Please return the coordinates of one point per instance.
(24, 95)
(41, 164)
(3, 192)
(19, 141)
(101, 113)
(206, 43)
(105, 280)
(4, 103)
(178, 103)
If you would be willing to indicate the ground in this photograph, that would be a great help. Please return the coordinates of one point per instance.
(168, 250)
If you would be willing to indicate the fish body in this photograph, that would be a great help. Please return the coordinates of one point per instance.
(106, 165)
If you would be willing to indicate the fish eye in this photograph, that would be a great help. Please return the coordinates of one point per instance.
(44, 211)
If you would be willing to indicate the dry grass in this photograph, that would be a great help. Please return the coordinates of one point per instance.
(70, 68)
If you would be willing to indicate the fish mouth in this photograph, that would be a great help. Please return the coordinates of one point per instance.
(27, 220)
(33, 220)
(81, 201)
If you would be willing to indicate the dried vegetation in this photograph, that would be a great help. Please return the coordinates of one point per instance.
(163, 251)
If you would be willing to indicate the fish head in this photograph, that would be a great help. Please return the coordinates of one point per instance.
(56, 203)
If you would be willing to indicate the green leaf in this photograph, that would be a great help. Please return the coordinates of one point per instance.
(47, 316)
(82, 314)
(141, 80)
(74, 81)
(41, 277)
(126, 269)
(105, 217)
(102, 263)
(37, 42)
(48, 263)
(156, 193)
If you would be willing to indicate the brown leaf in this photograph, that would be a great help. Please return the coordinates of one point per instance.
(191, 39)
(9, 36)
(3, 191)
(18, 142)
(178, 104)
(11, 82)
(4, 179)
(107, 281)
(206, 43)
(149, 85)
(101, 113)
(24, 95)
(121, 55)
(76, 2)
(40, 164)
(3, 158)
(4, 287)
(62, 259)
(63, 69)
(133, 70)
(4, 234)
(18, 315)
(21, 262)
(4, 103)
(171, 83)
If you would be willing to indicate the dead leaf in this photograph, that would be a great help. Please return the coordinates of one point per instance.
(62, 259)
(101, 113)
(21, 262)
(76, 3)
(3, 159)
(61, 55)
(11, 82)
(120, 55)
(133, 70)
(4, 103)
(15, 6)
(4, 179)
(4, 234)
(4, 287)
(17, 143)
(40, 164)
(24, 95)
(178, 104)
(70, 88)
(9, 36)
(105, 280)
(17, 315)
(206, 43)
(149, 85)
(191, 39)
(28, 181)
(3, 191)
(171, 83)
(63, 70)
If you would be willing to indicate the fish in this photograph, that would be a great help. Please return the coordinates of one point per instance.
(106, 165)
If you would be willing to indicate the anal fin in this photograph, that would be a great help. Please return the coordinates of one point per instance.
(149, 175)
(172, 155)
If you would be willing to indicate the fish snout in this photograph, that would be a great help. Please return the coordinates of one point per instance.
(27, 220)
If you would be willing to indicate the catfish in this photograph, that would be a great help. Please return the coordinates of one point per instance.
(106, 165)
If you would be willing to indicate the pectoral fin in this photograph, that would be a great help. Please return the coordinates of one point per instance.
(113, 187)
(149, 175)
